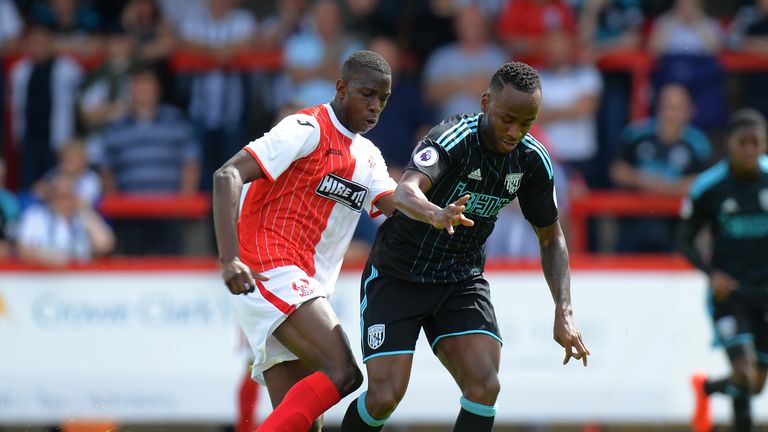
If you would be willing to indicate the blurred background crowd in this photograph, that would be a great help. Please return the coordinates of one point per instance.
(109, 99)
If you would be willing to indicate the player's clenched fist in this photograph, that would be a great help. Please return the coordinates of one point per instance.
(239, 278)
(452, 215)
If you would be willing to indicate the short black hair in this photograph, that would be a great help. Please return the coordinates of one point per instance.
(746, 118)
(364, 59)
(520, 75)
(140, 68)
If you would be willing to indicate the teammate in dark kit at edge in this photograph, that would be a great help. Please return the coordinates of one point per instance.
(423, 274)
(730, 200)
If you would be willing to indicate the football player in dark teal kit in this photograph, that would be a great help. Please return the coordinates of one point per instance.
(424, 273)
(731, 201)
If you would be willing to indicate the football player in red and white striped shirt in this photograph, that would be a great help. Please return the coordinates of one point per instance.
(285, 208)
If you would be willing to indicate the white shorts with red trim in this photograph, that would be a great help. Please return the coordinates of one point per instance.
(262, 311)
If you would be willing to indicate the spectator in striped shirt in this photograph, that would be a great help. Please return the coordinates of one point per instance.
(152, 150)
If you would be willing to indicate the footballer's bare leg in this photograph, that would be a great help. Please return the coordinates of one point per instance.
(388, 378)
(281, 377)
(313, 333)
(473, 360)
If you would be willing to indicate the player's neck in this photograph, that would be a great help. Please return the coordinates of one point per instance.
(485, 134)
(744, 173)
(339, 113)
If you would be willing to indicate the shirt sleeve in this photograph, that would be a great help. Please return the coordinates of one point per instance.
(430, 159)
(538, 199)
(293, 138)
(381, 184)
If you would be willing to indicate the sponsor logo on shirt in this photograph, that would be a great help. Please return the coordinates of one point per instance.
(475, 175)
(479, 204)
(343, 191)
(305, 123)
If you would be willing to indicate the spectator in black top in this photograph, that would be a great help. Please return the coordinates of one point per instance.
(43, 91)
(659, 156)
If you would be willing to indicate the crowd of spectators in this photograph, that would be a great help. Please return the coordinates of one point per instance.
(94, 105)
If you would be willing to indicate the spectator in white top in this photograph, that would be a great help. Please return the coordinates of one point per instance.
(63, 229)
(177, 12)
(43, 90)
(313, 57)
(456, 75)
(218, 96)
(687, 42)
(571, 97)
(685, 29)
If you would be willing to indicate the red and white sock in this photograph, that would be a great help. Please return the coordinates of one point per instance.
(304, 402)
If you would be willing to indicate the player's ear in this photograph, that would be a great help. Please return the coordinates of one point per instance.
(341, 88)
(485, 101)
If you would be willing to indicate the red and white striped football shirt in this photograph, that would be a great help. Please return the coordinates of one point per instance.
(319, 178)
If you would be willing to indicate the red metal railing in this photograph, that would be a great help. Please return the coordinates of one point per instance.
(615, 203)
(156, 206)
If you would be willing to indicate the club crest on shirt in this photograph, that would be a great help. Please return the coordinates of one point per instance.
(302, 287)
(426, 157)
(726, 327)
(763, 197)
(512, 182)
(729, 206)
(343, 191)
(375, 335)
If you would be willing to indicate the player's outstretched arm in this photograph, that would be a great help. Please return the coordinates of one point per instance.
(227, 185)
(554, 263)
(410, 199)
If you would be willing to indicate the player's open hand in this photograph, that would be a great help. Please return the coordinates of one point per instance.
(722, 284)
(452, 215)
(239, 278)
(569, 337)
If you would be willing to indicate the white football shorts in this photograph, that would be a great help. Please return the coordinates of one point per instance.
(263, 310)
